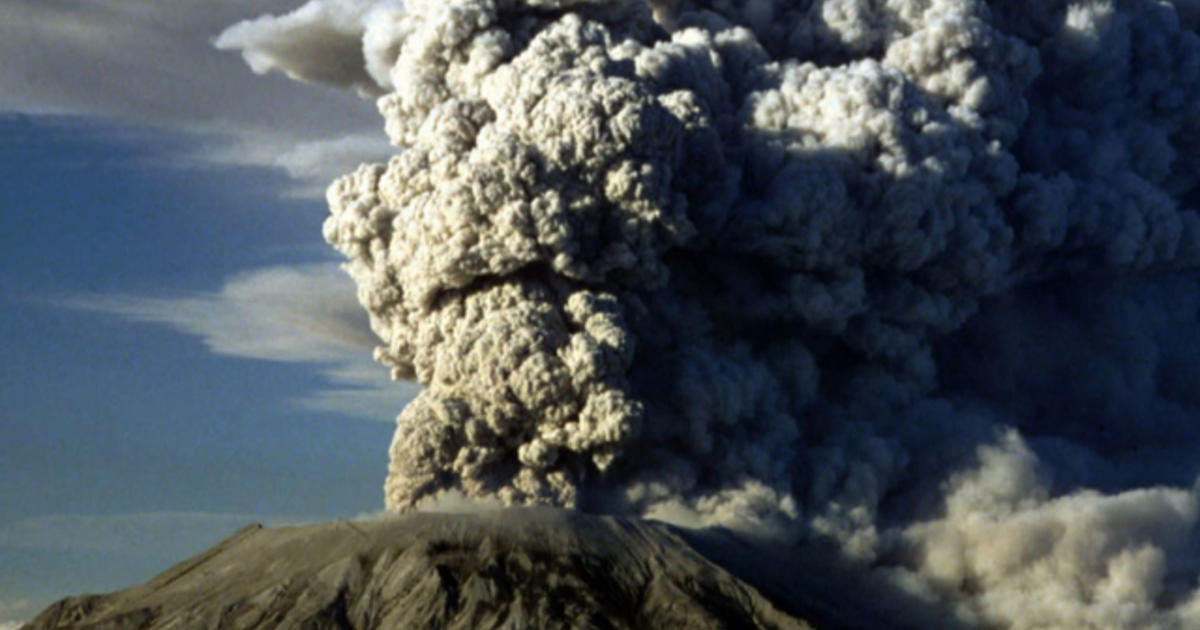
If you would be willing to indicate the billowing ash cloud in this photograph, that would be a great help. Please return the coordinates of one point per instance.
(917, 280)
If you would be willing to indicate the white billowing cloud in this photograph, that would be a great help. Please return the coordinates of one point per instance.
(302, 314)
(1084, 560)
(144, 62)
(320, 42)
(345, 43)
(916, 281)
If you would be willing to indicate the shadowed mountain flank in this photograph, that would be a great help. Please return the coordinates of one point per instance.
(527, 568)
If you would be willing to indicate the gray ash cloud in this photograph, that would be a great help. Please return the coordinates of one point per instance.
(917, 280)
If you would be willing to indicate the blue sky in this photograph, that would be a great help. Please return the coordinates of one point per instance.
(182, 356)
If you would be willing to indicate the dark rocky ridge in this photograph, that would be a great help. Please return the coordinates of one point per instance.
(524, 568)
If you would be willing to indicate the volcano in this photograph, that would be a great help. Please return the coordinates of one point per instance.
(516, 568)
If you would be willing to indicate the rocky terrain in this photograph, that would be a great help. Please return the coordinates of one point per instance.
(525, 568)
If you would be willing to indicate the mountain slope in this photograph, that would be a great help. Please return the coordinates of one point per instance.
(524, 568)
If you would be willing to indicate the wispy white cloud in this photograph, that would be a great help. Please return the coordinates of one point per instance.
(312, 164)
(302, 313)
(62, 58)
(144, 62)
(298, 314)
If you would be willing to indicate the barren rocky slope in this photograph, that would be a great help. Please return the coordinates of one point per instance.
(528, 568)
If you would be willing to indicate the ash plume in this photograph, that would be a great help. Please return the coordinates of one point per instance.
(917, 280)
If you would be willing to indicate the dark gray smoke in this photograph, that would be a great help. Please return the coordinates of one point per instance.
(914, 278)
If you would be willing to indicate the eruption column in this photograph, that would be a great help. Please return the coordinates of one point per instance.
(914, 279)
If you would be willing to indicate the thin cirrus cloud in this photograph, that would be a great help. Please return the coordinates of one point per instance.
(154, 63)
(150, 66)
(294, 314)
(311, 164)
